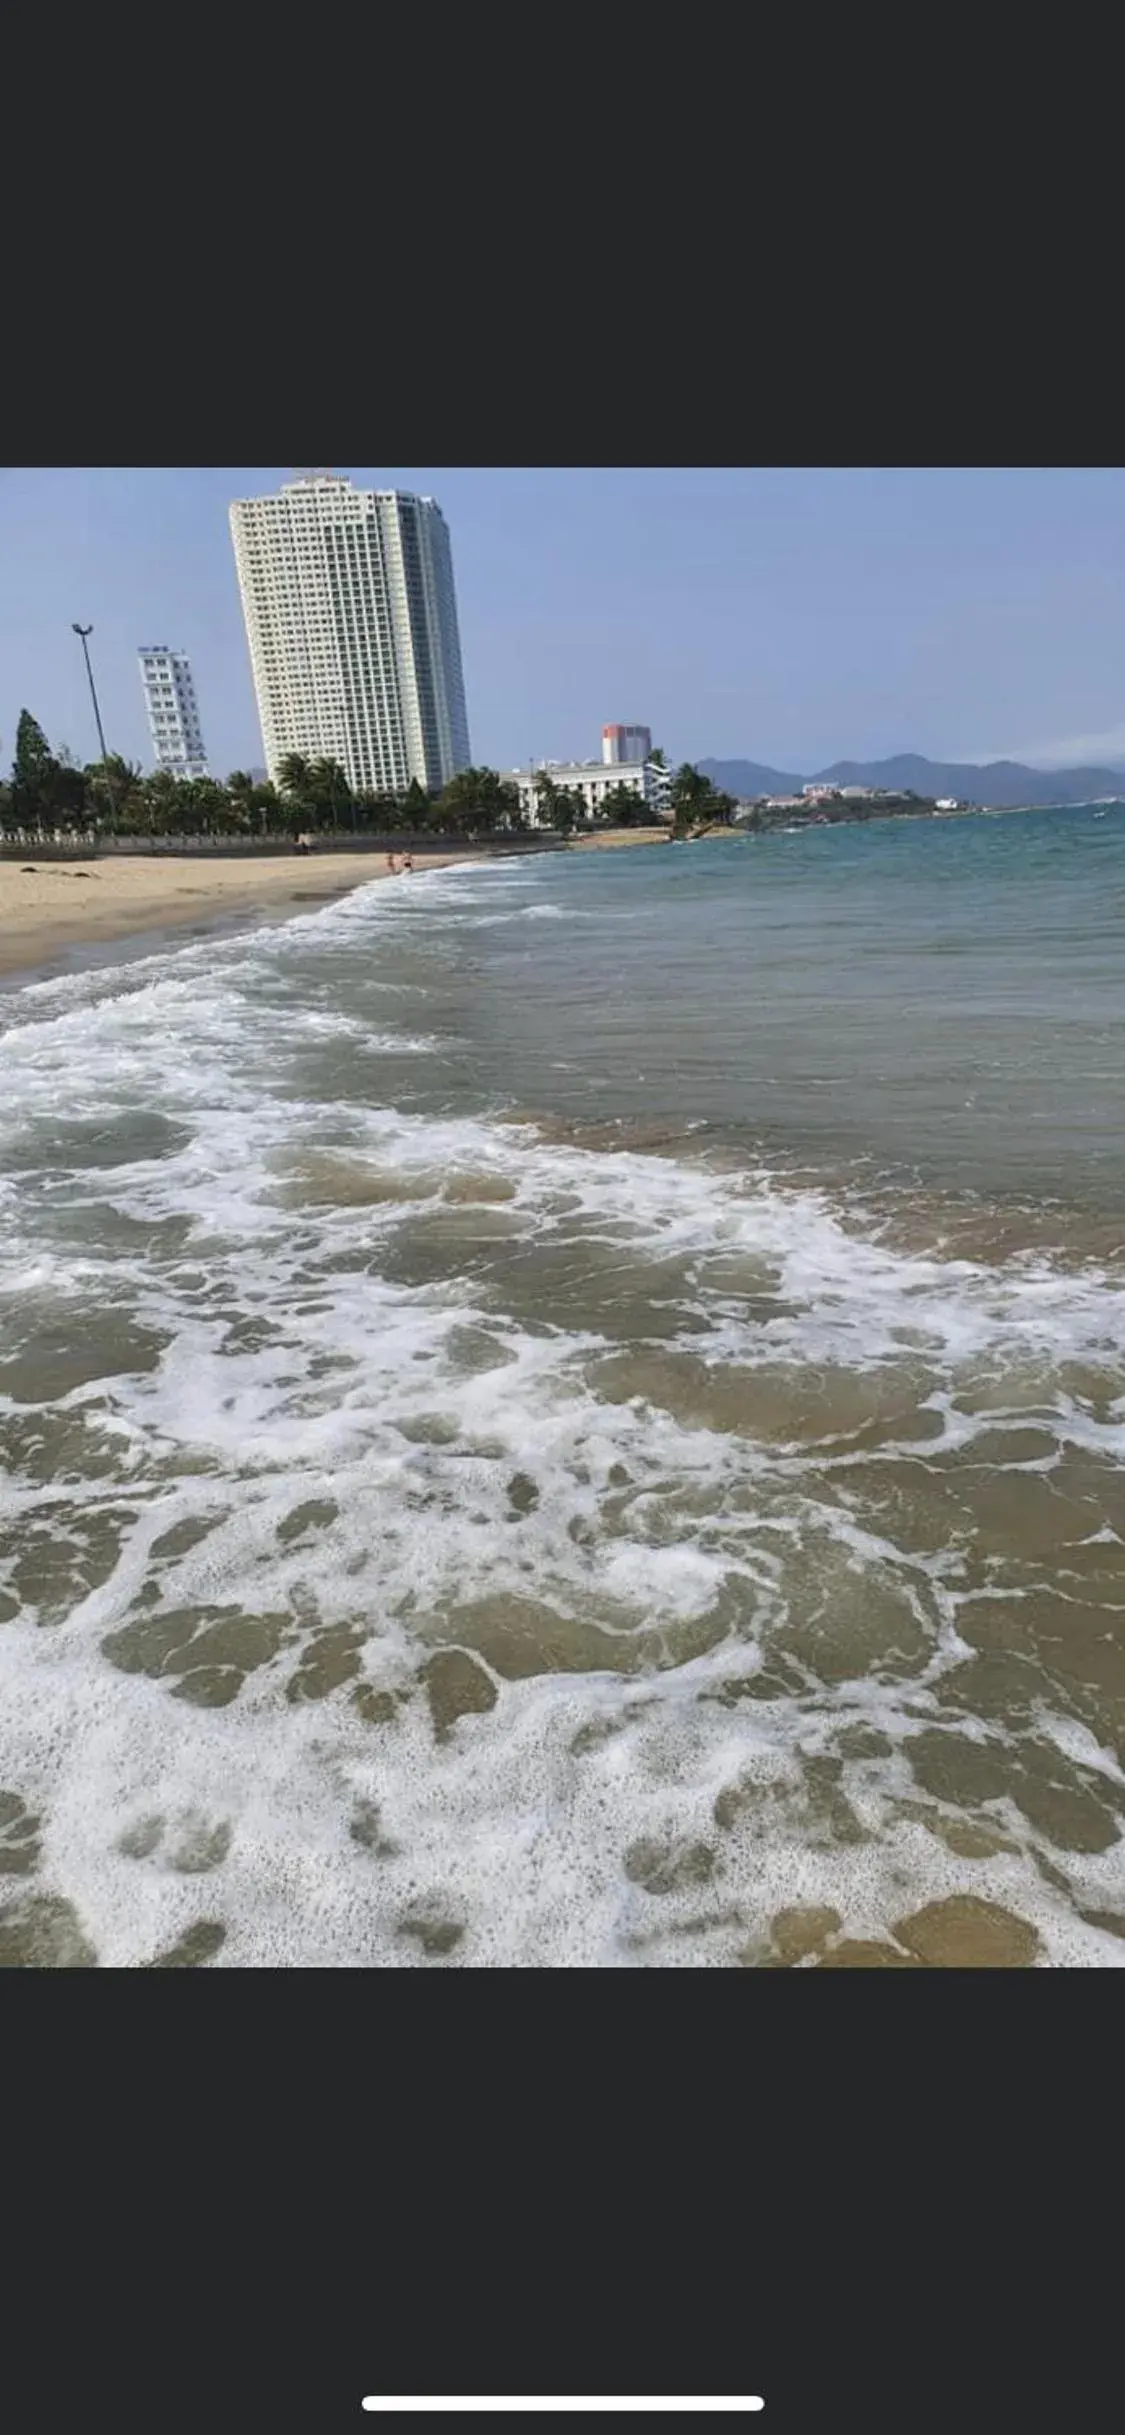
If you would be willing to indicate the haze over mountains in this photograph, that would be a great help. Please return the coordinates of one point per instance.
(1003, 783)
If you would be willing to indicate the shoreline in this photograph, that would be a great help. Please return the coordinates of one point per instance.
(50, 909)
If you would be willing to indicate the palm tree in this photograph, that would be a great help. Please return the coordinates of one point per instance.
(546, 798)
(464, 802)
(264, 806)
(293, 774)
(114, 786)
(324, 791)
(163, 810)
(241, 791)
(688, 797)
(509, 806)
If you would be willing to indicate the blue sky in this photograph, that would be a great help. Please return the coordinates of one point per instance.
(794, 616)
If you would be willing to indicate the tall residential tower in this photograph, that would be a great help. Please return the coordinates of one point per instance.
(173, 713)
(351, 620)
(626, 744)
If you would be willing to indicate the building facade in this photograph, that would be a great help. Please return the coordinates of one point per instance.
(351, 623)
(592, 780)
(626, 744)
(173, 712)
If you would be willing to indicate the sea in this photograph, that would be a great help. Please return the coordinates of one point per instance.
(570, 1412)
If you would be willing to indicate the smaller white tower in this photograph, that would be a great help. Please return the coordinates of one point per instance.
(173, 714)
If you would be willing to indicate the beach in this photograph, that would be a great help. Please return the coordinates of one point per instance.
(47, 908)
(609, 840)
(570, 1412)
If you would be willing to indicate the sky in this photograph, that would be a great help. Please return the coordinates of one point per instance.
(790, 616)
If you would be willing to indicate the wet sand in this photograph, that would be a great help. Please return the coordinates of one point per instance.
(658, 835)
(48, 907)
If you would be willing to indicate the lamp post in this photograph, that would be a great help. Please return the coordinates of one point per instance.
(83, 633)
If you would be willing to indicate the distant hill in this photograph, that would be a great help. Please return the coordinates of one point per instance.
(1003, 783)
(747, 778)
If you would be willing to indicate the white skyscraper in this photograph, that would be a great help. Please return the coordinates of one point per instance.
(173, 714)
(351, 619)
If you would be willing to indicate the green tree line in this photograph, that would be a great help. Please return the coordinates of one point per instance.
(49, 795)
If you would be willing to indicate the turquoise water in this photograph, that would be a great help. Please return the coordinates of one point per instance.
(947, 995)
(571, 1412)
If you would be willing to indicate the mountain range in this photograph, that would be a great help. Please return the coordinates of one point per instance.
(1002, 783)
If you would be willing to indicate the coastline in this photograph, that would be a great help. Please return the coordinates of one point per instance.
(49, 908)
(612, 838)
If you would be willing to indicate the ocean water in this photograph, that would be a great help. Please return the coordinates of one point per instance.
(571, 1412)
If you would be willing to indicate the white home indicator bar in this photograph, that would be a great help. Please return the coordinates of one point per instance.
(380, 2401)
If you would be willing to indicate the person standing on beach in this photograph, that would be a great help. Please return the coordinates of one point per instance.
(408, 862)
(392, 866)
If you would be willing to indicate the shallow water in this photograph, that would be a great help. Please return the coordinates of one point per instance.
(572, 1412)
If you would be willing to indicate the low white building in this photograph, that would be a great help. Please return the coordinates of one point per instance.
(593, 781)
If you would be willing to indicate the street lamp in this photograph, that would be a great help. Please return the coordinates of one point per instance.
(83, 632)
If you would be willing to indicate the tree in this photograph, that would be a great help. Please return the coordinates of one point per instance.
(623, 807)
(328, 792)
(686, 795)
(696, 801)
(209, 806)
(48, 793)
(570, 808)
(416, 808)
(293, 778)
(266, 811)
(35, 777)
(163, 811)
(115, 790)
(657, 756)
(564, 810)
(557, 807)
(480, 799)
(313, 792)
(380, 812)
(546, 798)
(34, 757)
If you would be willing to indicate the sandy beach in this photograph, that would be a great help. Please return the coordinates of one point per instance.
(610, 838)
(48, 907)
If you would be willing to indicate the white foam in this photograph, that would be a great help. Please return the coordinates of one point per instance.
(296, 1371)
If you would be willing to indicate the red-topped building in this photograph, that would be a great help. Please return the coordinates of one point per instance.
(626, 744)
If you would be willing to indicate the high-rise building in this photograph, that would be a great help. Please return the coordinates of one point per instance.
(173, 713)
(626, 744)
(351, 620)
